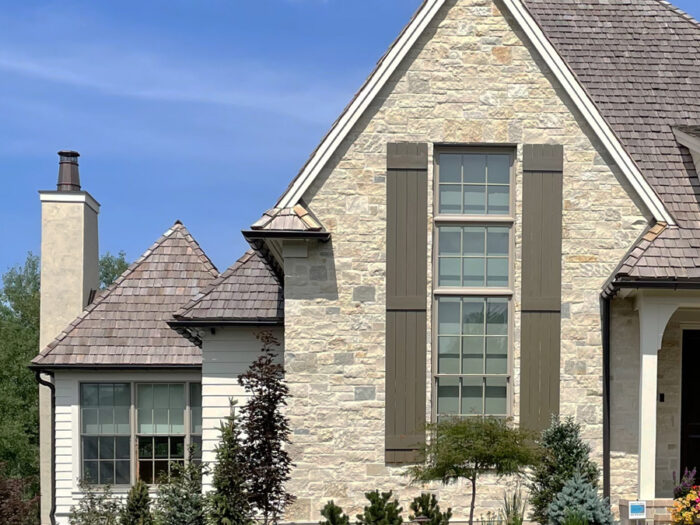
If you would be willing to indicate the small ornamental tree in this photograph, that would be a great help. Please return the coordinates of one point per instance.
(426, 506)
(16, 508)
(564, 454)
(137, 510)
(266, 431)
(180, 500)
(228, 503)
(95, 507)
(333, 515)
(469, 447)
(580, 496)
(380, 510)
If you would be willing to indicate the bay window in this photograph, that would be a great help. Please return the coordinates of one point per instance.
(473, 282)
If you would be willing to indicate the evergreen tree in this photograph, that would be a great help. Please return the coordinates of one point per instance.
(380, 510)
(579, 495)
(266, 433)
(137, 510)
(426, 505)
(334, 515)
(228, 504)
(180, 500)
(564, 454)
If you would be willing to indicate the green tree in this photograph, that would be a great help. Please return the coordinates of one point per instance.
(137, 510)
(564, 454)
(426, 505)
(579, 496)
(469, 447)
(180, 500)
(97, 506)
(111, 267)
(380, 511)
(333, 515)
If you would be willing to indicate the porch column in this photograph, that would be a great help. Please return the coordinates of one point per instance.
(653, 318)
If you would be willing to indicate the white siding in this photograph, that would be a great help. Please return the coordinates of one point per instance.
(226, 354)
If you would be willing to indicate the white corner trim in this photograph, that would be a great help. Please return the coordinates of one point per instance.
(555, 62)
(589, 110)
(70, 196)
(353, 113)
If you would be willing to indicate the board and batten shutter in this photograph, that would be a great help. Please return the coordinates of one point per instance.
(543, 166)
(406, 300)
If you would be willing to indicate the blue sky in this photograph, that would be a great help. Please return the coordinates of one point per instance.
(194, 110)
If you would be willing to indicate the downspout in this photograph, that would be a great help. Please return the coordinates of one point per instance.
(52, 387)
(605, 315)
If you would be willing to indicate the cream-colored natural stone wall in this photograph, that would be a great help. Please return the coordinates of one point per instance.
(468, 80)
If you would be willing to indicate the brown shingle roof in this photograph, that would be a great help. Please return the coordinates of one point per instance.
(126, 325)
(247, 292)
(639, 60)
(296, 218)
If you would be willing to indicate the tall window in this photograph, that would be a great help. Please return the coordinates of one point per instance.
(168, 419)
(473, 283)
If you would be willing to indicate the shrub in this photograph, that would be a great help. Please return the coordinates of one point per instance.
(228, 503)
(380, 510)
(574, 517)
(334, 515)
(467, 448)
(426, 505)
(96, 507)
(266, 431)
(137, 510)
(564, 454)
(513, 511)
(180, 500)
(16, 508)
(580, 495)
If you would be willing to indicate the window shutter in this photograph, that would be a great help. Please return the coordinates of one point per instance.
(543, 167)
(406, 299)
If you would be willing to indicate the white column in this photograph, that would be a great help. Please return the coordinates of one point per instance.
(653, 318)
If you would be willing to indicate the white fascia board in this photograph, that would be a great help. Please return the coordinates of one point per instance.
(589, 110)
(555, 62)
(353, 113)
(70, 196)
(692, 143)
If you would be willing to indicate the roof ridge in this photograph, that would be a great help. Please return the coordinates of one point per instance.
(201, 254)
(678, 11)
(176, 227)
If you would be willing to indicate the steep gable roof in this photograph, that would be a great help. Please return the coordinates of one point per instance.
(126, 325)
(249, 292)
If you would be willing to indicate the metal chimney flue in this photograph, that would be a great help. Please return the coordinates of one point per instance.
(68, 174)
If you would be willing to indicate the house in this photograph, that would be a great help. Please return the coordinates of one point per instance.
(505, 220)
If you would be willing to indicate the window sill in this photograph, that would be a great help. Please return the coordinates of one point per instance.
(496, 292)
(474, 219)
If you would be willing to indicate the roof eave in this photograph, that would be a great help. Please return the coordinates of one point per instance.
(205, 323)
(47, 367)
(252, 235)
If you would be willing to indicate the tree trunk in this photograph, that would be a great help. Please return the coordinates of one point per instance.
(473, 503)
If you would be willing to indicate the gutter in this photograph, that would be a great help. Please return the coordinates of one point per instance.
(206, 323)
(605, 321)
(52, 388)
(250, 235)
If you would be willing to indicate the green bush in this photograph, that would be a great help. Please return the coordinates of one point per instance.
(380, 510)
(334, 515)
(137, 510)
(574, 517)
(579, 495)
(96, 507)
(426, 505)
(563, 454)
(180, 500)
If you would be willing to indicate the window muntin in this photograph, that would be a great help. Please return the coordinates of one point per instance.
(474, 184)
(196, 420)
(473, 250)
(105, 432)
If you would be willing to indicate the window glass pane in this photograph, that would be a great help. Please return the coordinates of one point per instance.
(160, 470)
(449, 242)
(106, 473)
(90, 472)
(89, 416)
(496, 355)
(475, 200)
(473, 268)
(497, 317)
(450, 168)
(473, 316)
(122, 448)
(473, 355)
(160, 447)
(177, 421)
(160, 420)
(472, 395)
(122, 473)
(177, 396)
(448, 272)
(473, 241)
(161, 396)
(121, 420)
(197, 444)
(496, 392)
(107, 395)
(497, 241)
(106, 448)
(145, 396)
(498, 200)
(474, 168)
(122, 395)
(448, 355)
(89, 395)
(145, 416)
(196, 408)
(448, 395)
(498, 169)
(146, 471)
(196, 420)
(448, 316)
(177, 447)
(90, 447)
(497, 272)
(145, 447)
(450, 198)
(106, 420)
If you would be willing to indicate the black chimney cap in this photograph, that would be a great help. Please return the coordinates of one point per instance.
(68, 174)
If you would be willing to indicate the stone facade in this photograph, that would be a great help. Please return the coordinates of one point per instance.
(470, 79)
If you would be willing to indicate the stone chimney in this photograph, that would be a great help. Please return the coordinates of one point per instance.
(69, 275)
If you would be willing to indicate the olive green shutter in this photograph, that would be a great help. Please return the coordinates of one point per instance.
(543, 167)
(406, 299)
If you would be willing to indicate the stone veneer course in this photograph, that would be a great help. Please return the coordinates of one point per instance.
(468, 80)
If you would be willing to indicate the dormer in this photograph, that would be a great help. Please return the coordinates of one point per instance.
(689, 136)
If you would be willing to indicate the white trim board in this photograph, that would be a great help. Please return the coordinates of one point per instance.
(554, 61)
